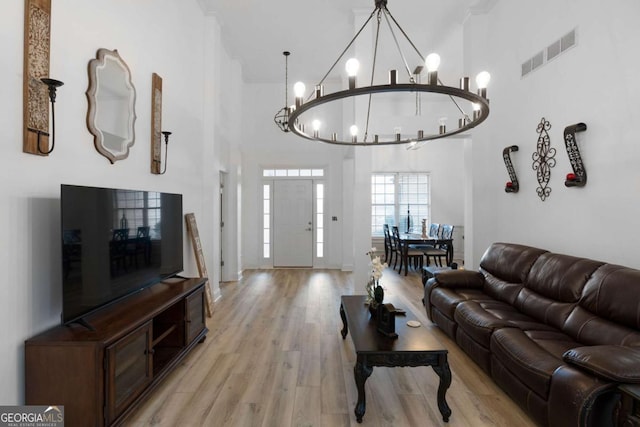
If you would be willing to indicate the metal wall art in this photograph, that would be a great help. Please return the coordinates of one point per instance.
(512, 186)
(579, 176)
(543, 159)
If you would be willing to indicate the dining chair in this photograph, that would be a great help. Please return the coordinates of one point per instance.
(388, 245)
(118, 249)
(140, 246)
(412, 255)
(441, 250)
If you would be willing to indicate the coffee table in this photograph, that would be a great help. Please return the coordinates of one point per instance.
(413, 347)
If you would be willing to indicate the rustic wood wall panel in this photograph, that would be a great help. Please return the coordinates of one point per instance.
(37, 31)
(192, 229)
(156, 123)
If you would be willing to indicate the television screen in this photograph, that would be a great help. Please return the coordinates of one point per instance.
(115, 242)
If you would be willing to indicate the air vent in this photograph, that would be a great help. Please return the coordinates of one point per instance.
(569, 40)
(551, 52)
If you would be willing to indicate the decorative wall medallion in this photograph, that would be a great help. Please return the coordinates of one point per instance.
(543, 159)
(156, 123)
(579, 176)
(512, 186)
(37, 26)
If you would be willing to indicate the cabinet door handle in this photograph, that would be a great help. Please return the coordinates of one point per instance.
(151, 351)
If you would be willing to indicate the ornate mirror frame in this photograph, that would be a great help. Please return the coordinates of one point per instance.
(103, 118)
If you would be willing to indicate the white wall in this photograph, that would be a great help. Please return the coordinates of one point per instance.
(164, 36)
(596, 83)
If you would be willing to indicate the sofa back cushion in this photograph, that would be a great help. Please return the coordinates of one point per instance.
(554, 286)
(609, 310)
(505, 266)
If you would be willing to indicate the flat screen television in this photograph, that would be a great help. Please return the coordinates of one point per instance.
(114, 243)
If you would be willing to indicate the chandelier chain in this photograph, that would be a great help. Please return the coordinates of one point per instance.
(373, 72)
(395, 39)
(345, 50)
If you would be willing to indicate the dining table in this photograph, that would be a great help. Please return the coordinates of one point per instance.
(407, 239)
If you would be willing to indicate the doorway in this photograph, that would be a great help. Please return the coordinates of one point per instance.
(293, 223)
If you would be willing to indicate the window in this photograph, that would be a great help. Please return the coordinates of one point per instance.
(135, 209)
(396, 196)
(266, 220)
(320, 220)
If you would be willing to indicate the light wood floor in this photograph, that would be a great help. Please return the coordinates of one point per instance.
(274, 357)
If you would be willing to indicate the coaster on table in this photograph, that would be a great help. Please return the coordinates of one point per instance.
(413, 323)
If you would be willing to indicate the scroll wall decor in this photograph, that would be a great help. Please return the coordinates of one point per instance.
(37, 31)
(579, 176)
(543, 159)
(512, 186)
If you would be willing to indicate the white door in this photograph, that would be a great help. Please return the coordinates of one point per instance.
(293, 223)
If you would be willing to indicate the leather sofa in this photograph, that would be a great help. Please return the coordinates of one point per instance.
(558, 333)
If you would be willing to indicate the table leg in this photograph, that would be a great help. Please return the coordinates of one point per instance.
(345, 328)
(405, 256)
(443, 371)
(361, 372)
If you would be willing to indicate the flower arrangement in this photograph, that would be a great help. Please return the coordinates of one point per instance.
(375, 293)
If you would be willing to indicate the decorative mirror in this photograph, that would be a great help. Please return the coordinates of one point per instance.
(112, 97)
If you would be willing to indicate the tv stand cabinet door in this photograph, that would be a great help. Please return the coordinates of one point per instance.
(129, 370)
(195, 321)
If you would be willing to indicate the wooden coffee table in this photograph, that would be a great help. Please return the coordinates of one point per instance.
(413, 347)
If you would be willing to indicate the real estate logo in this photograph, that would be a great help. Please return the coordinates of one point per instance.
(32, 416)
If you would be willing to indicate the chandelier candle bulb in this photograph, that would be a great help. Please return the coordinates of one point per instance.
(461, 122)
(464, 83)
(352, 66)
(375, 139)
(482, 80)
(319, 91)
(298, 90)
(393, 77)
(420, 134)
(442, 129)
(334, 136)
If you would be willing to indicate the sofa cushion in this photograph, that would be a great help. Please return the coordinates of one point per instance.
(505, 267)
(612, 294)
(480, 319)
(532, 356)
(509, 261)
(446, 300)
(554, 286)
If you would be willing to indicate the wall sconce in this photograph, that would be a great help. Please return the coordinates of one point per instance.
(166, 149)
(579, 176)
(511, 186)
(53, 86)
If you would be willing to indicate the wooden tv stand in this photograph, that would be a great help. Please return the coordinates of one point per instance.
(100, 376)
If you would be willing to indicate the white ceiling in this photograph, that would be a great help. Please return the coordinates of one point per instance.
(256, 32)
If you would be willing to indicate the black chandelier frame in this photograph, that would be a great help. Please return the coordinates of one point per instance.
(288, 118)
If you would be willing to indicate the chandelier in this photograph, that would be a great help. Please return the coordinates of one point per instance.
(303, 119)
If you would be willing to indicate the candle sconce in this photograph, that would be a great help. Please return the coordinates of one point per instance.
(512, 186)
(166, 150)
(579, 176)
(53, 85)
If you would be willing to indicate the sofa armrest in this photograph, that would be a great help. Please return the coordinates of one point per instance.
(453, 279)
(460, 279)
(612, 362)
(577, 398)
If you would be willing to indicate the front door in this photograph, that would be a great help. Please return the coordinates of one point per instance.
(293, 223)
